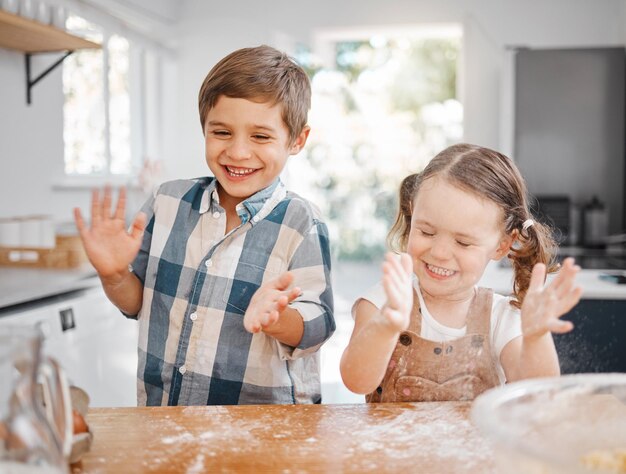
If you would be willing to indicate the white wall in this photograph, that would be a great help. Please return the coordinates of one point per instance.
(31, 138)
(207, 33)
(31, 146)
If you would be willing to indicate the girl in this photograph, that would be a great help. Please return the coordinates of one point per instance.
(428, 333)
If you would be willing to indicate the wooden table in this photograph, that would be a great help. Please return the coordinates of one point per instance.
(396, 438)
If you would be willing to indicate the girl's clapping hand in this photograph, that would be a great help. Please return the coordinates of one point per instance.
(543, 306)
(398, 285)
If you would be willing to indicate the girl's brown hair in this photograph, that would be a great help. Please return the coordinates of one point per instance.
(260, 74)
(490, 175)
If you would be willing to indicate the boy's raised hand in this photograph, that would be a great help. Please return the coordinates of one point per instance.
(398, 285)
(109, 246)
(543, 306)
(268, 302)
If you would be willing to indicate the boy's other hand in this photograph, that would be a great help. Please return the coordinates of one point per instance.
(398, 285)
(268, 302)
(109, 246)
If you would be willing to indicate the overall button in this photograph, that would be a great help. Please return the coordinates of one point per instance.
(477, 341)
(255, 219)
(216, 215)
(208, 263)
(437, 350)
(405, 339)
(193, 316)
(379, 390)
(182, 369)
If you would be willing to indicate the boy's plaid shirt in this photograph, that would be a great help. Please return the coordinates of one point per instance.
(193, 348)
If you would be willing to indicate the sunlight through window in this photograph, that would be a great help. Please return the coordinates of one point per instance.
(97, 105)
(381, 109)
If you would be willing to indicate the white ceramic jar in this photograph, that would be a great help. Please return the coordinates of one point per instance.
(11, 6)
(9, 232)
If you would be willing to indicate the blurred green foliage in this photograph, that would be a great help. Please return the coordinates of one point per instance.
(358, 168)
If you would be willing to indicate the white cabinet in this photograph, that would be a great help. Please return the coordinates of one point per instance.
(91, 339)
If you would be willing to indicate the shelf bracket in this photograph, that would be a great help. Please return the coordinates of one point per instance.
(30, 82)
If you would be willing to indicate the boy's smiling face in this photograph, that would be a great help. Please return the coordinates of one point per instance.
(246, 146)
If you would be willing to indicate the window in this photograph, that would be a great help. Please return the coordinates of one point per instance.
(384, 103)
(97, 133)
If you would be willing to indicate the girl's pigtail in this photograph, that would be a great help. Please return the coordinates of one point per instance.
(534, 244)
(398, 235)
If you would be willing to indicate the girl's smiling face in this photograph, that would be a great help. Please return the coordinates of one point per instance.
(454, 234)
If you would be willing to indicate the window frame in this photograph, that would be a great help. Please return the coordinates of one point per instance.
(144, 55)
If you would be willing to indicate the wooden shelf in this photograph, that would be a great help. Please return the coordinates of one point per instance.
(30, 36)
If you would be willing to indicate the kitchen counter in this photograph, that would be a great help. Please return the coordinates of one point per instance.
(21, 285)
(594, 288)
(398, 437)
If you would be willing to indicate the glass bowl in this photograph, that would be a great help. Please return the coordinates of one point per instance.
(563, 425)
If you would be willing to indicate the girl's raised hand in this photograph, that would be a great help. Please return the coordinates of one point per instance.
(398, 285)
(109, 246)
(544, 305)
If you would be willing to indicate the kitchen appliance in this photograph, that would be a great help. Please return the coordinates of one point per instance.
(618, 277)
(568, 122)
(94, 343)
(556, 211)
(595, 223)
(574, 424)
(31, 439)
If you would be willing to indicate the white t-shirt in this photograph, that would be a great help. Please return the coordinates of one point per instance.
(505, 322)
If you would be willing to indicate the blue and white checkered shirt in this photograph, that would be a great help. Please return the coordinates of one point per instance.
(193, 348)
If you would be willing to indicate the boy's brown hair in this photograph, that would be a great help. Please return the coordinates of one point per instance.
(263, 74)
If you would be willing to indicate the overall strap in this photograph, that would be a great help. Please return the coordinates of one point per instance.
(479, 314)
(415, 324)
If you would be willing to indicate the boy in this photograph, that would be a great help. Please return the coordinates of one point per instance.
(210, 274)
